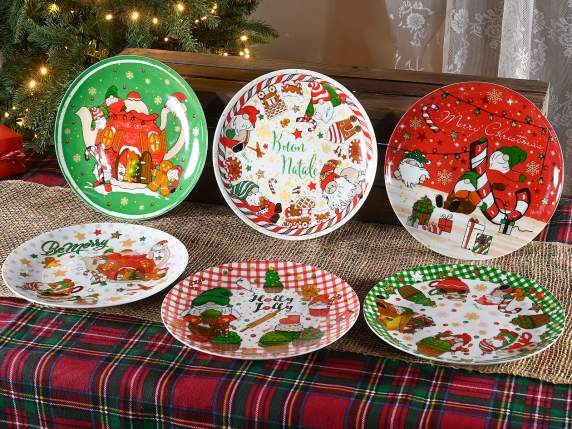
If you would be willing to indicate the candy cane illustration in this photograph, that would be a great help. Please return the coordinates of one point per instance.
(427, 117)
(311, 121)
(271, 182)
(489, 204)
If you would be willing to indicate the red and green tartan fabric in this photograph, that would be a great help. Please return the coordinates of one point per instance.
(66, 369)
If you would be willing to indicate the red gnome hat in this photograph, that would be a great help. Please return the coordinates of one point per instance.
(134, 96)
(328, 174)
(251, 111)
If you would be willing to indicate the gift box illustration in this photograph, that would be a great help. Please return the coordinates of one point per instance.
(446, 223)
(432, 228)
(482, 243)
(506, 226)
(422, 209)
(473, 228)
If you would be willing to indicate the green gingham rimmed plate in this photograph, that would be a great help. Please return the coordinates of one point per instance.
(464, 314)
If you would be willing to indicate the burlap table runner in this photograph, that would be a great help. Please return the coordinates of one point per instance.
(360, 253)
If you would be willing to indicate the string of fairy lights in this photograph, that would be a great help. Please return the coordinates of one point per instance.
(135, 16)
(478, 110)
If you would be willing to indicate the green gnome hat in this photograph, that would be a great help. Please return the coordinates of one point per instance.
(515, 155)
(242, 189)
(471, 176)
(417, 155)
(217, 295)
(111, 91)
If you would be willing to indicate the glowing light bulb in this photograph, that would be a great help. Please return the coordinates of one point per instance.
(166, 39)
(243, 38)
(247, 56)
(196, 21)
(134, 15)
(241, 53)
(53, 8)
(246, 51)
(108, 16)
(155, 20)
(180, 7)
(6, 114)
(32, 84)
(225, 54)
(43, 70)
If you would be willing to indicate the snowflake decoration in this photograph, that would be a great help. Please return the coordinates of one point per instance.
(445, 177)
(147, 81)
(167, 82)
(195, 131)
(157, 99)
(124, 201)
(532, 168)
(77, 157)
(494, 96)
(141, 207)
(417, 276)
(129, 75)
(67, 131)
(415, 123)
(92, 91)
(471, 316)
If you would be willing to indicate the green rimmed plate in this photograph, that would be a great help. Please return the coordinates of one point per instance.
(464, 314)
(131, 137)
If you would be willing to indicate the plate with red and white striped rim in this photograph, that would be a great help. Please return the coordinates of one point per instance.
(474, 170)
(294, 154)
(260, 309)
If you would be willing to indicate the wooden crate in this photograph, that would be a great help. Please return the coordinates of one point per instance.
(385, 94)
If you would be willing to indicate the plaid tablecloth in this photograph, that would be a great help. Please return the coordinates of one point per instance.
(64, 369)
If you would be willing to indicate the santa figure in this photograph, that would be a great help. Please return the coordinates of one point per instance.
(464, 197)
(323, 100)
(249, 193)
(174, 175)
(411, 170)
(237, 134)
(133, 102)
(159, 253)
(340, 189)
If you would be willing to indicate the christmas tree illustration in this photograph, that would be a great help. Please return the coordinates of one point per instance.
(272, 282)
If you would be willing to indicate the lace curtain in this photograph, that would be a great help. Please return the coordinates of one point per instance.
(525, 39)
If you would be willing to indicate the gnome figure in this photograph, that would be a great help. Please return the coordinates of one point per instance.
(464, 197)
(340, 189)
(237, 134)
(323, 100)
(249, 193)
(411, 170)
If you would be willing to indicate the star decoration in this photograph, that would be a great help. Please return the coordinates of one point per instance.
(406, 136)
(116, 234)
(296, 108)
(453, 135)
(25, 261)
(320, 135)
(60, 273)
(248, 168)
(312, 186)
(33, 256)
(80, 236)
(128, 242)
(297, 134)
(265, 146)
(260, 174)
(261, 116)
(142, 238)
(417, 276)
(97, 232)
(50, 262)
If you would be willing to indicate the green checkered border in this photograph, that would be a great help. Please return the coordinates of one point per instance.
(551, 305)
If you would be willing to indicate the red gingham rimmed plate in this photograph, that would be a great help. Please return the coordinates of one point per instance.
(260, 309)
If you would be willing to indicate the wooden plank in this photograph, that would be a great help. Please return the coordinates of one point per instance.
(385, 95)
